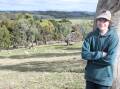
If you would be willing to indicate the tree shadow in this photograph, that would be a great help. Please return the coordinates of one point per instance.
(67, 48)
(73, 49)
(41, 55)
(76, 66)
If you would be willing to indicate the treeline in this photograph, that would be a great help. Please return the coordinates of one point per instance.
(56, 14)
(64, 14)
(26, 31)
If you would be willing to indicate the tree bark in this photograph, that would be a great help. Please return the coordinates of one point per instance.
(114, 7)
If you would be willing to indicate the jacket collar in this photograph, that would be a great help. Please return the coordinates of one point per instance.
(109, 32)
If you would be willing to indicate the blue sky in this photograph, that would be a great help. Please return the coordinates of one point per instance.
(43, 5)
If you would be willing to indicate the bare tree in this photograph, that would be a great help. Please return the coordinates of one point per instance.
(114, 7)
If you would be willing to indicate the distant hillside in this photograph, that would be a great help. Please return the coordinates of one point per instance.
(55, 14)
(63, 14)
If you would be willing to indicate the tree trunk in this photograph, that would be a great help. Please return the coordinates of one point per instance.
(114, 7)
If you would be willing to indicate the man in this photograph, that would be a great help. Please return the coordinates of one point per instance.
(99, 49)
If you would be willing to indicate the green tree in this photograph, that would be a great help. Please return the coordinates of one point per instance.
(65, 28)
(86, 27)
(47, 30)
(4, 37)
(56, 33)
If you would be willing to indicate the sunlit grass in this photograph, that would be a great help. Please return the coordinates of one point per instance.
(42, 67)
(56, 48)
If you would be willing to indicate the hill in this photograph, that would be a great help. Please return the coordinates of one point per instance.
(55, 14)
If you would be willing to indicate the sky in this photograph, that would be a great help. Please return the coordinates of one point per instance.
(45, 5)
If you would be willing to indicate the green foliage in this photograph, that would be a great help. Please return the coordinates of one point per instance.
(86, 27)
(23, 30)
(47, 30)
(4, 37)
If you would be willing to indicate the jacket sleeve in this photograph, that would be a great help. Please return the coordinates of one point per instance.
(110, 58)
(87, 54)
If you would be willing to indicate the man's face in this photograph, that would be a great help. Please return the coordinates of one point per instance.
(103, 24)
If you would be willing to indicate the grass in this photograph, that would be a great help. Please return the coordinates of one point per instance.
(43, 67)
(43, 50)
(42, 80)
(78, 20)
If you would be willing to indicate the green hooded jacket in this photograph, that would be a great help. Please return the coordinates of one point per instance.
(99, 69)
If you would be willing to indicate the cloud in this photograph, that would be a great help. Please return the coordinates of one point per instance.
(48, 5)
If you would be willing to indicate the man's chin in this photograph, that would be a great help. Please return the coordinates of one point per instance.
(101, 29)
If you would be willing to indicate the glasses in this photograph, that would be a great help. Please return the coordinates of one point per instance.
(102, 20)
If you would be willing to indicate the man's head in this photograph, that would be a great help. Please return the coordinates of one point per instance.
(103, 19)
